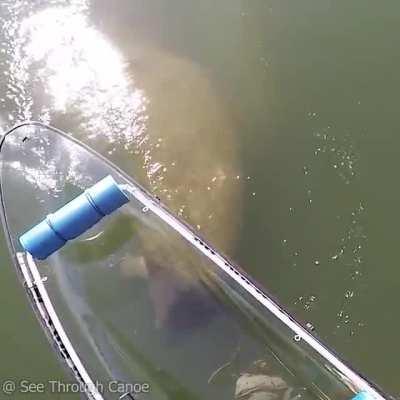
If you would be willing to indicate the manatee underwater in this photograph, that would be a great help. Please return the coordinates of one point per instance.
(191, 162)
(155, 112)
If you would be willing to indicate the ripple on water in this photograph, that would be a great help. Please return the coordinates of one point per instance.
(335, 156)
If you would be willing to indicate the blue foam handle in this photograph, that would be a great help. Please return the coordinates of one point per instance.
(74, 218)
(363, 396)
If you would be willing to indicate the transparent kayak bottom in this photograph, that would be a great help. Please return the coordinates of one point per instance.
(142, 307)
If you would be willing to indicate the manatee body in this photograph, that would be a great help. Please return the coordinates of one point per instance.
(188, 151)
(156, 113)
(190, 161)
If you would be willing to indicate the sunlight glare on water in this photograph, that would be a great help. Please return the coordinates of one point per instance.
(82, 70)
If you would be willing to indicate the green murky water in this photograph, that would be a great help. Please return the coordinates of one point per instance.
(269, 125)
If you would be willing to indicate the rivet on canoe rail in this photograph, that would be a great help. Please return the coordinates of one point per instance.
(310, 326)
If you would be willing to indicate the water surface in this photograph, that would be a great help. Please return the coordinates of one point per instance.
(270, 126)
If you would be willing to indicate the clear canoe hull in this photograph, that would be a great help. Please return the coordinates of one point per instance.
(142, 307)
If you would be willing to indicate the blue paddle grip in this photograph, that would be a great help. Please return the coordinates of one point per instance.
(74, 218)
(363, 396)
